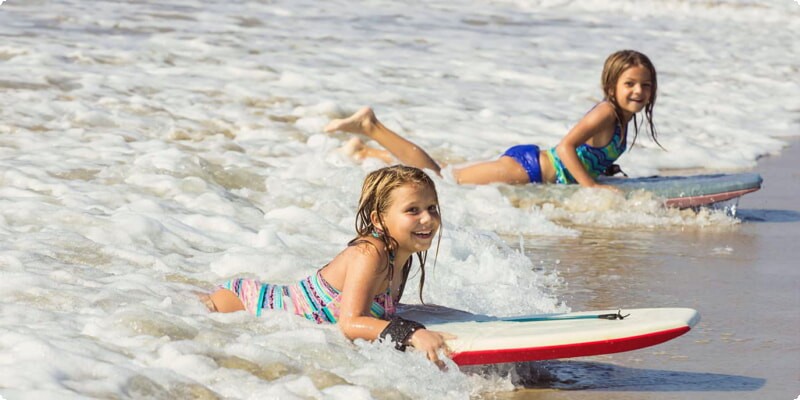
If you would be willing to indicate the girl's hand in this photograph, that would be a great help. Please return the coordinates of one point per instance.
(430, 342)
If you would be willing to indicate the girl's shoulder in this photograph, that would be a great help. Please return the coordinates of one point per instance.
(602, 114)
(369, 247)
(363, 256)
(604, 110)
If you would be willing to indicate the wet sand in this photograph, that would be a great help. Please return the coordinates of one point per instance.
(743, 280)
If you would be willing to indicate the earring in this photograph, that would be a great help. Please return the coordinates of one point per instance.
(377, 232)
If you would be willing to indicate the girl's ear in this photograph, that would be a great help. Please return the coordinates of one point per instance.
(373, 217)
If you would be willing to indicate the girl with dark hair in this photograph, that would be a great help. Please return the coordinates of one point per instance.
(587, 151)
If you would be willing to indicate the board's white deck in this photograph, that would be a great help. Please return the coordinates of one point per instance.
(484, 339)
(491, 335)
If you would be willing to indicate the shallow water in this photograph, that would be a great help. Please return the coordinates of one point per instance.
(151, 150)
(742, 279)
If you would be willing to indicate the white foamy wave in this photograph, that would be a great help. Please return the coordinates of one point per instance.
(477, 272)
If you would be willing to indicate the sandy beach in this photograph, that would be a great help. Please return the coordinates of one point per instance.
(743, 280)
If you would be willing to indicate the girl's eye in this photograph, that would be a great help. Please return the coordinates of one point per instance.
(412, 210)
(433, 209)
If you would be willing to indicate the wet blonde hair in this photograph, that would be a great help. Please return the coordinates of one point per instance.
(376, 196)
(616, 64)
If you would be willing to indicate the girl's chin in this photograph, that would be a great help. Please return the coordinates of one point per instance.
(420, 246)
(634, 108)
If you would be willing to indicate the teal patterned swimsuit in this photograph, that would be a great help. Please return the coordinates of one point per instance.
(594, 159)
(312, 297)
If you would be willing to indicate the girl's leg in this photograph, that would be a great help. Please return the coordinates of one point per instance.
(503, 170)
(364, 122)
(358, 150)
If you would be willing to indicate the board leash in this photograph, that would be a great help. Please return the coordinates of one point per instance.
(613, 316)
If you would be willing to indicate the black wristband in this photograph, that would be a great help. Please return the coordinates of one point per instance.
(400, 330)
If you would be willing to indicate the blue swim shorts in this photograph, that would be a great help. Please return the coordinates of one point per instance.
(527, 155)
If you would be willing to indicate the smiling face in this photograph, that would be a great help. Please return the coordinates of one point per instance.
(633, 90)
(412, 217)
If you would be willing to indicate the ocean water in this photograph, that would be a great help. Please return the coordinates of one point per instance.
(150, 150)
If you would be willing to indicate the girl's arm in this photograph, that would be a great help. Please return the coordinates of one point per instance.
(365, 274)
(598, 121)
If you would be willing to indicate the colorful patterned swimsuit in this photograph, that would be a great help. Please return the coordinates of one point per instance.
(594, 159)
(312, 297)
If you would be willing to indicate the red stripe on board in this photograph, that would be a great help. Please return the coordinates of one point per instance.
(567, 350)
(694, 201)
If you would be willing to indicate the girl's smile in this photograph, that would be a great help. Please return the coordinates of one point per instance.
(424, 235)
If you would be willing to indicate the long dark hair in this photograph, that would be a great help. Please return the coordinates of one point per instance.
(375, 196)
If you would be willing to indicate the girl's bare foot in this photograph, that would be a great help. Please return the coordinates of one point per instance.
(353, 148)
(361, 121)
(356, 149)
(206, 300)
